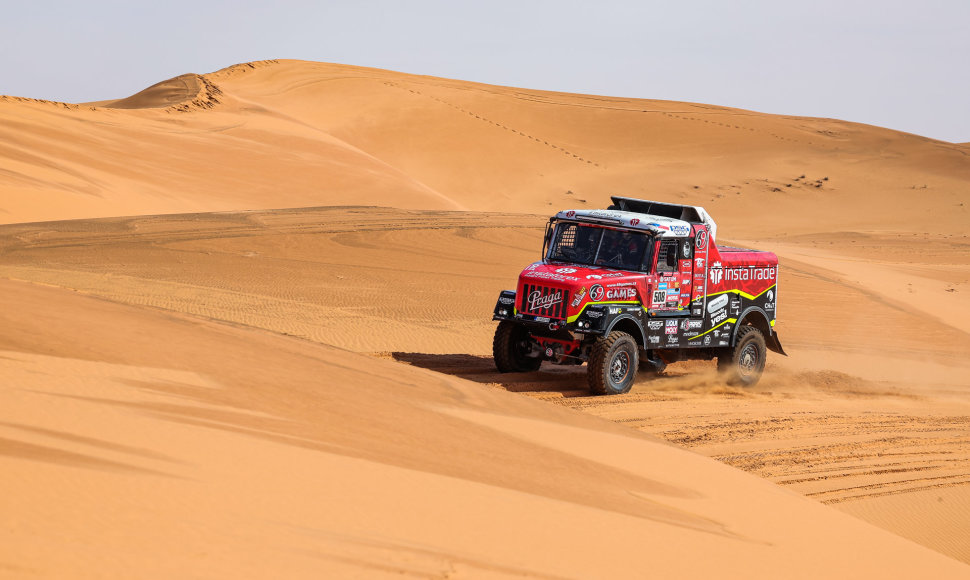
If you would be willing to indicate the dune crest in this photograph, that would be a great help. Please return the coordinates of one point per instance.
(164, 94)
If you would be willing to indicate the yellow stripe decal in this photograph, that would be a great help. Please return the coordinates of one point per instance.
(742, 293)
(583, 309)
(713, 329)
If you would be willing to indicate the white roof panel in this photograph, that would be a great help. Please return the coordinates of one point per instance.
(659, 225)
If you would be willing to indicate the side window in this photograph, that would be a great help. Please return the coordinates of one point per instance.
(667, 257)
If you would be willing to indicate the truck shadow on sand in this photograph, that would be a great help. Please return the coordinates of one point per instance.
(551, 380)
(567, 381)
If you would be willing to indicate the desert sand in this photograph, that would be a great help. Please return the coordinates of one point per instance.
(246, 332)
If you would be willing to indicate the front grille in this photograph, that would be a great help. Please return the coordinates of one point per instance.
(543, 301)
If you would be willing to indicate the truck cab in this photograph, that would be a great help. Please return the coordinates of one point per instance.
(635, 287)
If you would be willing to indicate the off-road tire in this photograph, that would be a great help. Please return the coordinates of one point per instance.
(744, 364)
(508, 349)
(613, 363)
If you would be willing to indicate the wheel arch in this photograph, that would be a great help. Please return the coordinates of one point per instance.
(758, 318)
(630, 325)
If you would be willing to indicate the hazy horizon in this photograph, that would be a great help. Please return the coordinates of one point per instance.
(898, 66)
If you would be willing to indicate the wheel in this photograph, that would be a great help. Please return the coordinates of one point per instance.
(509, 348)
(744, 364)
(613, 362)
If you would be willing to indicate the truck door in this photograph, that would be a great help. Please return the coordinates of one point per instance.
(700, 244)
(686, 272)
(666, 295)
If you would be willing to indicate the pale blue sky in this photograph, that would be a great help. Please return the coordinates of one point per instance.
(898, 64)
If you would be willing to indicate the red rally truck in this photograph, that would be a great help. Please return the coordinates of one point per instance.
(635, 287)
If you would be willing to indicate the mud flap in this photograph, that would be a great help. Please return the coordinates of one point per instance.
(774, 344)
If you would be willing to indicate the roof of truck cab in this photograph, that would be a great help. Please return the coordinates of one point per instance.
(661, 226)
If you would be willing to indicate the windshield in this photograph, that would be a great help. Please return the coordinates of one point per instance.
(596, 246)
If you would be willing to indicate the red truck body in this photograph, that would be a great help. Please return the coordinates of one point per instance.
(657, 278)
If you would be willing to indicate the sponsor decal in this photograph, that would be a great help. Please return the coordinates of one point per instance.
(685, 265)
(634, 222)
(707, 340)
(696, 312)
(531, 266)
(671, 323)
(700, 240)
(613, 274)
(723, 342)
(719, 317)
(735, 306)
(716, 273)
(717, 333)
(606, 214)
(618, 284)
(654, 339)
(742, 274)
(614, 310)
(717, 303)
(542, 319)
(672, 340)
(579, 297)
(685, 281)
(596, 293)
(570, 213)
(662, 286)
(685, 324)
(593, 277)
(566, 270)
(506, 300)
(550, 276)
(594, 313)
(537, 301)
(680, 230)
(695, 324)
(692, 335)
(658, 226)
(670, 330)
(699, 263)
(655, 324)
(620, 293)
(659, 296)
(770, 304)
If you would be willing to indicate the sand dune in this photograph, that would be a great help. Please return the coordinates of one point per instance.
(297, 134)
(279, 362)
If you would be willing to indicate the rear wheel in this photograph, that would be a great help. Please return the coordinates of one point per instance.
(510, 348)
(744, 364)
(613, 362)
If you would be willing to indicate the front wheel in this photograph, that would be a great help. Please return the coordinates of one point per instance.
(744, 364)
(510, 348)
(613, 363)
